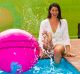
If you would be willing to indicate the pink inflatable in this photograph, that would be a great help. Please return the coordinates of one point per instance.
(18, 46)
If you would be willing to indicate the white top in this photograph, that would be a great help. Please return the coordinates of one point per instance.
(61, 35)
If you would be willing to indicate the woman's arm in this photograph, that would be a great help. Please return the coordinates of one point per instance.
(40, 38)
(68, 52)
(67, 40)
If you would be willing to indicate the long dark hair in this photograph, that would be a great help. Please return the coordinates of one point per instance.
(59, 10)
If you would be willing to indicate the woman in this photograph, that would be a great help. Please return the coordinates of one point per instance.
(53, 35)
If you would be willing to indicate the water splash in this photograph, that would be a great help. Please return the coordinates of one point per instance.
(16, 68)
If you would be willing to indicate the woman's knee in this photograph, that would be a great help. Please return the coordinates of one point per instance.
(59, 48)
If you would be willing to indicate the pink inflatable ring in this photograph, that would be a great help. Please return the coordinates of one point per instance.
(18, 46)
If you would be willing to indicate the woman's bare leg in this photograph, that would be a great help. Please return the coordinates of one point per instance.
(58, 50)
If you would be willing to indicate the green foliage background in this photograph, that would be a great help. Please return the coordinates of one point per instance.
(27, 14)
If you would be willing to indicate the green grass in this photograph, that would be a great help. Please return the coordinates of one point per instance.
(28, 14)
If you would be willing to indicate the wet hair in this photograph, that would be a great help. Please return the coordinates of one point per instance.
(59, 10)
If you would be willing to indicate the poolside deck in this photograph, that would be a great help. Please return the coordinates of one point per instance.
(75, 61)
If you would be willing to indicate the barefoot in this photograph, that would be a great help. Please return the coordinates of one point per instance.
(69, 54)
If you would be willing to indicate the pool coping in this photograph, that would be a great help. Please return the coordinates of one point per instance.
(75, 50)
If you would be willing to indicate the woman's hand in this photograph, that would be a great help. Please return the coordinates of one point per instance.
(68, 53)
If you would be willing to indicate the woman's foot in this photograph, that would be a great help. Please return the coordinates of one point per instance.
(69, 54)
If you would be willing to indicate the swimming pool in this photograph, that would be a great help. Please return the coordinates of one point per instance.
(47, 66)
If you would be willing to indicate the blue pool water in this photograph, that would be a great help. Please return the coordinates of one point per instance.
(47, 66)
